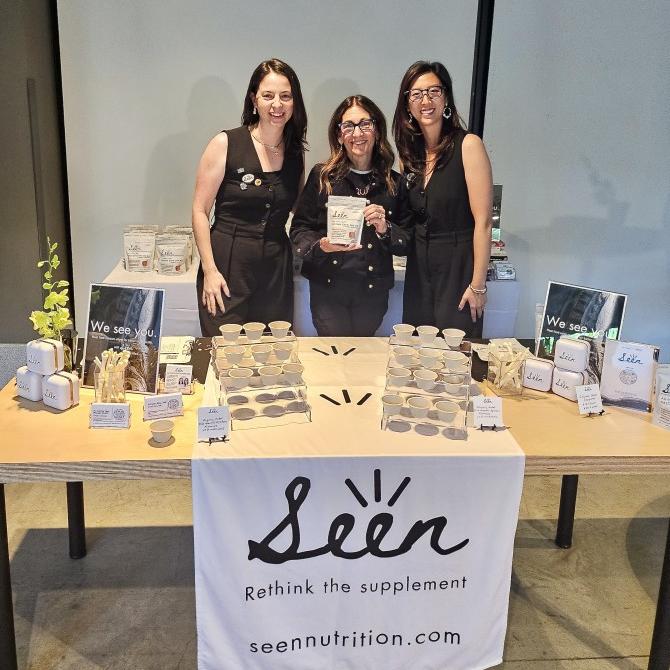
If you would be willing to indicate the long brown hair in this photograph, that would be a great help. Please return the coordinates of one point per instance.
(338, 165)
(408, 137)
(295, 130)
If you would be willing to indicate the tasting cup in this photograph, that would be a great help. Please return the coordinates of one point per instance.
(453, 336)
(293, 372)
(392, 404)
(427, 334)
(230, 331)
(446, 410)
(454, 383)
(283, 350)
(418, 406)
(239, 377)
(279, 328)
(398, 376)
(161, 431)
(235, 353)
(425, 379)
(430, 358)
(261, 352)
(270, 374)
(454, 359)
(405, 355)
(404, 332)
(254, 330)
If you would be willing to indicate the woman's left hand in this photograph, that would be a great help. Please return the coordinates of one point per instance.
(476, 302)
(376, 216)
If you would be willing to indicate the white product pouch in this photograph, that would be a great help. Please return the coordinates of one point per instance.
(172, 255)
(138, 250)
(661, 414)
(61, 390)
(537, 374)
(345, 219)
(565, 381)
(28, 384)
(572, 354)
(45, 356)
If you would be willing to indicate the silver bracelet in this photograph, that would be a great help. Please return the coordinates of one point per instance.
(478, 291)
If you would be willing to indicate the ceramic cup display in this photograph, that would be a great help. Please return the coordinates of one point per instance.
(446, 410)
(453, 336)
(392, 404)
(279, 328)
(427, 334)
(270, 374)
(283, 350)
(405, 355)
(293, 372)
(425, 379)
(239, 377)
(161, 431)
(454, 359)
(404, 332)
(261, 352)
(235, 354)
(418, 406)
(399, 376)
(230, 331)
(254, 330)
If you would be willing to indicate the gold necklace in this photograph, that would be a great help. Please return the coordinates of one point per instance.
(274, 148)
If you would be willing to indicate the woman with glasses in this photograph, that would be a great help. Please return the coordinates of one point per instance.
(349, 284)
(251, 175)
(448, 187)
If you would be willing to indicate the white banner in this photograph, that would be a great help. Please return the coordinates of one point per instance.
(393, 563)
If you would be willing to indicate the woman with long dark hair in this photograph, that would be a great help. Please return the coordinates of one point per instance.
(349, 284)
(251, 175)
(448, 187)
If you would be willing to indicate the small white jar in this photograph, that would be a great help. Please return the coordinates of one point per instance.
(537, 374)
(61, 390)
(28, 384)
(45, 356)
(572, 354)
(565, 381)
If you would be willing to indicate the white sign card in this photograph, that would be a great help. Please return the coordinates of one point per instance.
(109, 415)
(178, 378)
(345, 219)
(213, 423)
(163, 406)
(488, 411)
(588, 399)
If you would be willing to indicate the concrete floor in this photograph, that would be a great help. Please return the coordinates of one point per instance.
(130, 603)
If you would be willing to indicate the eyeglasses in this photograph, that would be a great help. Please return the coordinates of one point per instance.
(348, 127)
(416, 94)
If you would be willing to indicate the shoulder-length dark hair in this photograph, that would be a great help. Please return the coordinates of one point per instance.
(295, 130)
(338, 165)
(408, 137)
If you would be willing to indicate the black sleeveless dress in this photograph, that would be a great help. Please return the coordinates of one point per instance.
(441, 259)
(249, 242)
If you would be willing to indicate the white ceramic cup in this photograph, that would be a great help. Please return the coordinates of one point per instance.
(279, 328)
(392, 404)
(430, 358)
(454, 359)
(293, 372)
(398, 376)
(161, 431)
(418, 406)
(239, 377)
(454, 384)
(230, 331)
(446, 410)
(404, 332)
(235, 353)
(270, 374)
(425, 379)
(453, 336)
(427, 334)
(283, 350)
(405, 355)
(261, 352)
(254, 330)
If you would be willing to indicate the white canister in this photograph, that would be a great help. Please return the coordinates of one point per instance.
(45, 356)
(537, 374)
(61, 390)
(564, 383)
(572, 354)
(28, 384)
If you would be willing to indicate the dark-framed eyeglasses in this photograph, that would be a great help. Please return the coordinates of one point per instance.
(416, 94)
(348, 127)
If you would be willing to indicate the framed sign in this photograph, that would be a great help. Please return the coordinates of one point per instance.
(125, 318)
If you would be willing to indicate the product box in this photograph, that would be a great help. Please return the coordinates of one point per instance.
(565, 381)
(28, 384)
(538, 374)
(572, 355)
(61, 390)
(45, 356)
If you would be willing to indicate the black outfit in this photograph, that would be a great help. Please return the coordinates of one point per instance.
(348, 289)
(441, 258)
(249, 242)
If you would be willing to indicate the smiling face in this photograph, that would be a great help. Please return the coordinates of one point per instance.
(274, 100)
(427, 111)
(358, 144)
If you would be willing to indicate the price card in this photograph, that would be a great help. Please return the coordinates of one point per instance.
(213, 423)
(109, 415)
(163, 406)
(178, 378)
(588, 399)
(488, 411)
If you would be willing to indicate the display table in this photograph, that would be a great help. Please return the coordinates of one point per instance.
(43, 445)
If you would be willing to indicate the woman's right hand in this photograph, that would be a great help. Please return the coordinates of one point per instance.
(329, 248)
(211, 292)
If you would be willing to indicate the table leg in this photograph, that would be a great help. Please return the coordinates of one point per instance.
(75, 519)
(7, 637)
(566, 511)
(659, 656)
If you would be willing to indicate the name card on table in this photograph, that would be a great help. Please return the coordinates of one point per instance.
(163, 406)
(588, 399)
(213, 423)
(488, 411)
(178, 378)
(109, 415)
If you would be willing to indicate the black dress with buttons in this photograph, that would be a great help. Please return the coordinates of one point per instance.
(348, 289)
(440, 260)
(249, 242)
